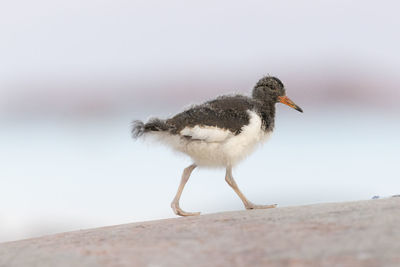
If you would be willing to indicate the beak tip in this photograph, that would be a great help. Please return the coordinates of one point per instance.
(285, 100)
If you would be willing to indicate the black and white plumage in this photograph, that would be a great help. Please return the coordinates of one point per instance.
(223, 131)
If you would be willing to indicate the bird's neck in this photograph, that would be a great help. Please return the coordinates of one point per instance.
(266, 110)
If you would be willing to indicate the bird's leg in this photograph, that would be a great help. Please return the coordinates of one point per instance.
(175, 202)
(248, 205)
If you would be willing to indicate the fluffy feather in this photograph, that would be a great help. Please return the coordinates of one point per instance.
(217, 148)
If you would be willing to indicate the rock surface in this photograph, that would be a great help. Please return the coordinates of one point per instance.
(363, 233)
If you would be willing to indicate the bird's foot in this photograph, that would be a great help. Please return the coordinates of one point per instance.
(251, 206)
(178, 211)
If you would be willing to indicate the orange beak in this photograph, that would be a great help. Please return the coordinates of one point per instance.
(286, 100)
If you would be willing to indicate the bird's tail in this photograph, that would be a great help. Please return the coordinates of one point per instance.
(153, 125)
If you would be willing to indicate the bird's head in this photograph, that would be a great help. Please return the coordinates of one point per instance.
(271, 89)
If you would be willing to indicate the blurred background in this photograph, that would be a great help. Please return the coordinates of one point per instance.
(74, 74)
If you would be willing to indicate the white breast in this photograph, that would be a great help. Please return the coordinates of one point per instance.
(215, 147)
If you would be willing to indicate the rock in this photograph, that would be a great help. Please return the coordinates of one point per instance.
(363, 233)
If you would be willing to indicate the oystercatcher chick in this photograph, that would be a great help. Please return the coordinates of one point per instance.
(220, 132)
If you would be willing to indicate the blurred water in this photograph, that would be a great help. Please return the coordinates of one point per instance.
(59, 175)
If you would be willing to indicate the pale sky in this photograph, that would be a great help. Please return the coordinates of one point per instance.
(67, 51)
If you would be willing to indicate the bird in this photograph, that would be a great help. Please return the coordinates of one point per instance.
(220, 132)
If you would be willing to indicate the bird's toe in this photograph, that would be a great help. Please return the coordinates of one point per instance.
(178, 211)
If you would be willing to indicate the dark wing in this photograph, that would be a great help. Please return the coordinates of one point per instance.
(226, 112)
